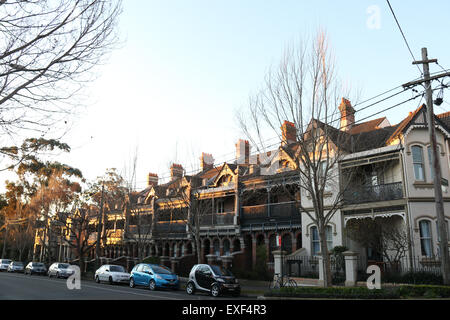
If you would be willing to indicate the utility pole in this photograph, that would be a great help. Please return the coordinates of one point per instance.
(442, 229)
(6, 236)
(99, 230)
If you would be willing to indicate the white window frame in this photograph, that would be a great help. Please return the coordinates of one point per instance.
(418, 163)
(426, 239)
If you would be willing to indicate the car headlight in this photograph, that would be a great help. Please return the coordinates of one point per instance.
(158, 277)
(220, 280)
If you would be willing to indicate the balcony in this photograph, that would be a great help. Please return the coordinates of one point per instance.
(170, 229)
(217, 219)
(382, 192)
(136, 230)
(283, 211)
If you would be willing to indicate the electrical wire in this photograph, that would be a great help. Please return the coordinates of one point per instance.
(166, 176)
(403, 35)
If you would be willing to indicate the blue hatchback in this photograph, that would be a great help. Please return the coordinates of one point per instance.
(153, 276)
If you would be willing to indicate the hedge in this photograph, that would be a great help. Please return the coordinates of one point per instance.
(404, 291)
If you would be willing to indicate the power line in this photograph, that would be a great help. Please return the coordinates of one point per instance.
(338, 119)
(403, 35)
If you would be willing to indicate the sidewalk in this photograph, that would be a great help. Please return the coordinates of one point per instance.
(256, 288)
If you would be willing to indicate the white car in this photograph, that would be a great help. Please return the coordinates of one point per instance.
(60, 270)
(15, 266)
(112, 274)
(4, 264)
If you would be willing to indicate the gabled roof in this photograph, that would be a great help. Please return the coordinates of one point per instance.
(368, 125)
(445, 118)
(230, 167)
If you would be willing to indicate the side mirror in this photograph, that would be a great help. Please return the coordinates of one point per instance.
(148, 272)
(107, 270)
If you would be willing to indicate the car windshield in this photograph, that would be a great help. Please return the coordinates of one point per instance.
(63, 265)
(220, 271)
(161, 270)
(6, 261)
(116, 269)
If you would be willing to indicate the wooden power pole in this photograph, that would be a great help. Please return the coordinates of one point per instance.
(442, 228)
(99, 230)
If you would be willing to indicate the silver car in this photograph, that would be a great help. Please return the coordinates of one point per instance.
(4, 264)
(112, 274)
(35, 268)
(60, 270)
(15, 266)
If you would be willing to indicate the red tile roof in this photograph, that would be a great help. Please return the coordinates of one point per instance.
(367, 126)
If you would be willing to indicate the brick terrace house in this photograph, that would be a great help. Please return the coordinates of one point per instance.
(246, 207)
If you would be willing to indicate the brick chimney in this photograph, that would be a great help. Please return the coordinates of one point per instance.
(176, 171)
(288, 132)
(152, 179)
(242, 151)
(206, 161)
(347, 115)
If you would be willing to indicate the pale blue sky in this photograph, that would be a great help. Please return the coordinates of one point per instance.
(185, 66)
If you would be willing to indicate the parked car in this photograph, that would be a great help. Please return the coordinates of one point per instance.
(112, 274)
(60, 270)
(153, 276)
(35, 268)
(212, 279)
(4, 264)
(15, 266)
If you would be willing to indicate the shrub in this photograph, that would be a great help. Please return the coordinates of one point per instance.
(151, 260)
(426, 291)
(335, 292)
(406, 291)
(420, 277)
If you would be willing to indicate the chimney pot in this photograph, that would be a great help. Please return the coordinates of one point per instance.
(347, 115)
(152, 179)
(176, 171)
(242, 151)
(288, 132)
(206, 161)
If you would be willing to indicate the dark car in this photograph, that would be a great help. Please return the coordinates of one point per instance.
(35, 268)
(212, 279)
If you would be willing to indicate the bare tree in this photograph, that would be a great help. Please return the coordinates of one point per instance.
(47, 54)
(390, 240)
(186, 202)
(79, 229)
(305, 91)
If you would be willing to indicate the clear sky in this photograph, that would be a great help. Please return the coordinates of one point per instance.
(171, 89)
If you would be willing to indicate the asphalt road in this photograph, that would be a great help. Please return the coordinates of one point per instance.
(16, 286)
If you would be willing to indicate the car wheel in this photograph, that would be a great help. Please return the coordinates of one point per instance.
(190, 288)
(97, 279)
(152, 285)
(215, 290)
(131, 283)
(110, 280)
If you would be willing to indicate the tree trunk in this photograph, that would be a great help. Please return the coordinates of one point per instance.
(325, 258)
(198, 249)
(82, 265)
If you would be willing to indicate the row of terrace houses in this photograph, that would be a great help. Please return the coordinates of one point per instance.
(232, 208)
